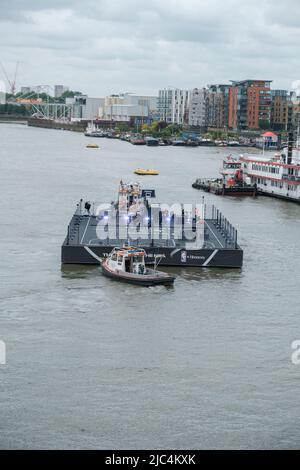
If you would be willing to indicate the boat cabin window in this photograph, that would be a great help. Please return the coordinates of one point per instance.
(232, 165)
(137, 259)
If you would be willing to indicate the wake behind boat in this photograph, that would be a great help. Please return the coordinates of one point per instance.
(128, 265)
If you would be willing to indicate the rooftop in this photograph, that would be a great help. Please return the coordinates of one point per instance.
(269, 134)
(241, 82)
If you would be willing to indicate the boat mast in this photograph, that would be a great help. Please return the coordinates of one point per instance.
(290, 147)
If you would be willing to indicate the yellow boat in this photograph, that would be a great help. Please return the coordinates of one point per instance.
(92, 146)
(140, 171)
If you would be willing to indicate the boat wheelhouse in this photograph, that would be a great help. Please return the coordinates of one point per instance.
(230, 166)
(128, 259)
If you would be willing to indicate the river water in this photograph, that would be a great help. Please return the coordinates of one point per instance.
(92, 363)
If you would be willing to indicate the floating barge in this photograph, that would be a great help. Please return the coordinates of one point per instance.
(214, 244)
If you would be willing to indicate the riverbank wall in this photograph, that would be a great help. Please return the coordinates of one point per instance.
(50, 124)
(13, 118)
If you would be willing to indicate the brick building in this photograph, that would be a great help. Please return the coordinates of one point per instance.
(249, 104)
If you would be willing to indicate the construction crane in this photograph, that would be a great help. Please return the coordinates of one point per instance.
(11, 83)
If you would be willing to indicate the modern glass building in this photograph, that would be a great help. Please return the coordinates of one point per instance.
(173, 105)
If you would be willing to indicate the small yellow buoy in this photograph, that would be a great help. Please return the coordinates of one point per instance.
(92, 146)
(140, 171)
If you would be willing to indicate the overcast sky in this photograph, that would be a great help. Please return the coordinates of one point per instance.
(109, 46)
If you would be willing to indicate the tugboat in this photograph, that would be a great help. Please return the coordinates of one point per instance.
(232, 183)
(127, 264)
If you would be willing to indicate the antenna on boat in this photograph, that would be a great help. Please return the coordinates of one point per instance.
(156, 263)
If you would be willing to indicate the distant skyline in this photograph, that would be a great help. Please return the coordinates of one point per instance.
(102, 47)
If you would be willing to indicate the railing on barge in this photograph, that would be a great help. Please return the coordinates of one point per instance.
(213, 218)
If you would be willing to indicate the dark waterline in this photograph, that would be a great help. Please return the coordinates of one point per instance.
(96, 364)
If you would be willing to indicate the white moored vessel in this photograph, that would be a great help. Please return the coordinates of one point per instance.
(93, 131)
(277, 176)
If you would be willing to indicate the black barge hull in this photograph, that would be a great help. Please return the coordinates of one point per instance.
(219, 190)
(216, 258)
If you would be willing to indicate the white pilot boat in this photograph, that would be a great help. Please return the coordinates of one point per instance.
(127, 264)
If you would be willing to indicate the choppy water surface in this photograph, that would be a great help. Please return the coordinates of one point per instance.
(96, 364)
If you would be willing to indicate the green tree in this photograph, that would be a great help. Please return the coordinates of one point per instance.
(123, 127)
(175, 128)
(13, 109)
(208, 135)
(68, 94)
(158, 126)
(146, 129)
(166, 133)
(264, 124)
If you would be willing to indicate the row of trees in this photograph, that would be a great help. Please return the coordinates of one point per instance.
(156, 129)
(14, 110)
(162, 129)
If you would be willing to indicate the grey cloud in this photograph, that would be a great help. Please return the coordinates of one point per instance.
(15, 10)
(146, 45)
